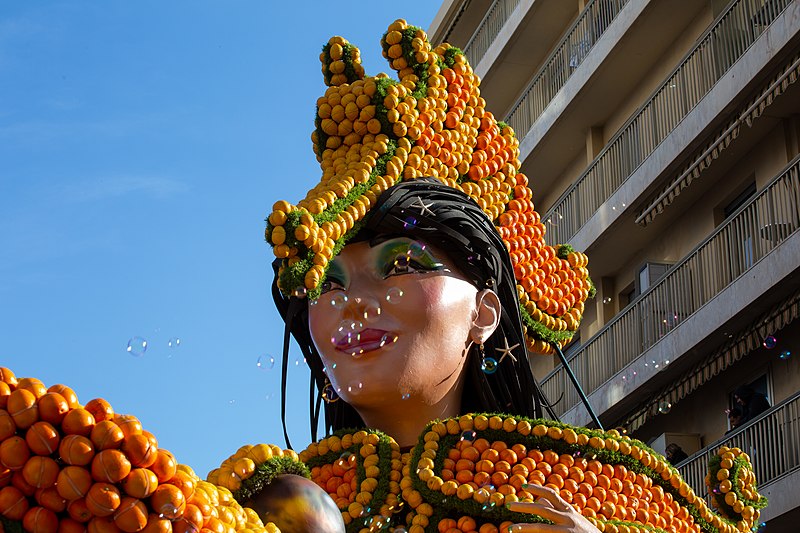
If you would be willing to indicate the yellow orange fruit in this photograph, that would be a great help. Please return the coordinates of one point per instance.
(168, 501)
(131, 515)
(42, 438)
(22, 408)
(67, 393)
(140, 483)
(107, 435)
(129, 424)
(100, 409)
(73, 482)
(103, 499)
(139, 450)
(52, 408)
(157, 524)
(165, 465)
(78, 421)
(33, 385)
(110, 466)
(76, 450)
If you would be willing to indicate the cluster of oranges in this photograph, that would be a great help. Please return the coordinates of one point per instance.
(732, 483)
(335, 464)
(373, 132)
(616, 482)
(69, 468)
(242, 465)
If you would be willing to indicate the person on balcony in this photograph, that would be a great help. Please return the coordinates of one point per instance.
(751, 403)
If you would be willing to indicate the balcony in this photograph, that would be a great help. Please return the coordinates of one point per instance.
(773, 443)
(739, 246)
(488, 30)
(721, 46)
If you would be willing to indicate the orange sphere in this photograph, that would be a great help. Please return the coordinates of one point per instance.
(107, 435)
(32, 384)
(129, 424)
(73, 482)
(7, 376)
(139, 450)
(79, 511)
(103, 499)
(103, 524)
(22, 408)
(40, 520)
(157, 524)
(140, 483)
(13, 504)
(5, 476)
(67, 393)
(131, 516)
(78, 421)
(185, 482)
(14, 453)
(7, 425)
(42, 438)
(5, 392)
(68, 525)
(40, 472)
(168, 501)
(18, 480)
(110, 466)
(51, 499)
(52, 408)
(76, 450)
(100, 409)
(165, 466)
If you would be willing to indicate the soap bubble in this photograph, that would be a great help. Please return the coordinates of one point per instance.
(469, 436)
(784, 355)
(300, 292)
(394, 294)
(137, 346)
(489, 365)
(338, 300)
(174, 343)
(770, 342)
(664, 407)
(265, 362)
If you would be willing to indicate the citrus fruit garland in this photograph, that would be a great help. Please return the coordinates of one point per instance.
(732, 484)
(68, 468)
(465, 470)
(373, 132)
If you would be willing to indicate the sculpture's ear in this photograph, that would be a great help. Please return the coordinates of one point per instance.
(341, 62)
(487, 317)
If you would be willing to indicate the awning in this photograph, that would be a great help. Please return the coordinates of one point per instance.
(787, 75)
(736, 348)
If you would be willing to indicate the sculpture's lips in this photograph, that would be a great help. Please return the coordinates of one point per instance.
(366, 340)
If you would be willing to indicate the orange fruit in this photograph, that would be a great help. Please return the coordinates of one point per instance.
(22, 408)
(76, 450)
(5, 476)
(68, 525)
(7, 376)
(32, 384)
(100, 409)
(42, 438)
(140, 483)
(67, 393)
(40, 472)
(5, 392)
(103, 499)
(40, 520)
(102, 524)
(185, 482)
(14, 452)
(78, 421)
(151, 437)
(7, 425)
(18, 480)
(79, 511)
(73, 482)
(190, 522)
(13, 504)
(139, 450)
(156, 524)
(107, 435)
(129, 424)
(168, 501)
(131, 515)
(110, 466)
(51, 499)
(52, 408)
(165, 466)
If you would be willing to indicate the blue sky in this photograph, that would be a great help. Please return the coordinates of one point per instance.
(142, 144)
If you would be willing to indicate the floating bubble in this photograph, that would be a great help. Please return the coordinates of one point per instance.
(416, 249)
(664, 407)
(300, 292)
(372, 312)
(394, 294)
(405, 396)
(784, 355)
(400, 529)
(174, 343)
(338, 300)
(489, 365)
(409, 223)
(401, 263)
(469, 436)
(137, 346)
(329, 394)
(265, 362)
(388, 339)
(770, 342)
(607, 300)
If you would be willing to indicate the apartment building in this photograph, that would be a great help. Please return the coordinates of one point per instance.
(662, 138)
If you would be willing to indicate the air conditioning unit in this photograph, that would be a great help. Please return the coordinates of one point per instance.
(689, 442)
(649, 274)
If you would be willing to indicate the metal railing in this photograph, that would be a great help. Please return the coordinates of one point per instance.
(719, 48)
(772, 441)
(751, 232)
(489, 29)
(562, 62)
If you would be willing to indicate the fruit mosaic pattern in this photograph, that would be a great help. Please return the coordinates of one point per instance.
(68, 467)
(374, 131)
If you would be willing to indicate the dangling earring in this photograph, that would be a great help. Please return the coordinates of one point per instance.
(488, 364)
(329, 393)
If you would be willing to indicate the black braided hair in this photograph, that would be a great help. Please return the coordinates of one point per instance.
(456, 225)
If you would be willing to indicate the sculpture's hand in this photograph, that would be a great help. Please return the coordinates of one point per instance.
(550, 505)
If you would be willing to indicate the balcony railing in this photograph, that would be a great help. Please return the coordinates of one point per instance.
(489, 29)
(772, 441)
(719, 48)
(749, 234)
